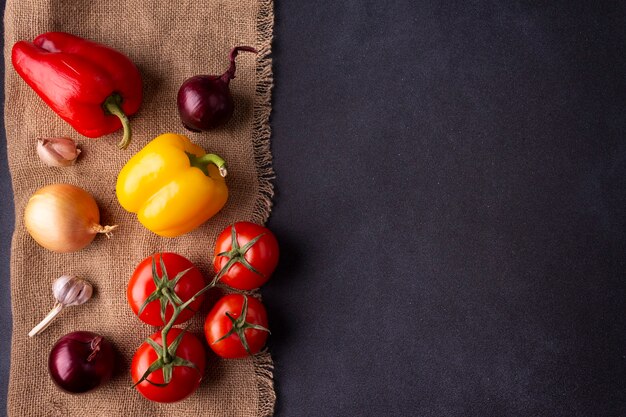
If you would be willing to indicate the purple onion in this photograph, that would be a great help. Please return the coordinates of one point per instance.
(204, 101)
(81, 361)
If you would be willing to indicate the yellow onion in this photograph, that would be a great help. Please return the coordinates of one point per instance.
(63, 218)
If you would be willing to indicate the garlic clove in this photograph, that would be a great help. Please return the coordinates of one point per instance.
(57, 152)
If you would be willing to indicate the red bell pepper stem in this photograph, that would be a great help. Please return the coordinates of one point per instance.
(112, 105)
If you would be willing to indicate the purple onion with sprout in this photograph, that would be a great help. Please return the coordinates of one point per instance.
(81, 361)
(204, 101)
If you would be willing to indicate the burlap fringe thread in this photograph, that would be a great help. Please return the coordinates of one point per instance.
(261, 132)
(261, 129)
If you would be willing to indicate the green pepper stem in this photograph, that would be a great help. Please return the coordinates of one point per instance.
(201, 162)
(112, 105)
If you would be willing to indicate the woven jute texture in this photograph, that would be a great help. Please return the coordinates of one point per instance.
(168, 41)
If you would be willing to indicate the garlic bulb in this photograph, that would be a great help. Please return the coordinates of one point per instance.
(71, 291)
(57, 152)
(68, 291)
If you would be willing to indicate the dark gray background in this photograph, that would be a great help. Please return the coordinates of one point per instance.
(450, 199)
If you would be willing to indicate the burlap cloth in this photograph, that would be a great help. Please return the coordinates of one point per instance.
(168, 41)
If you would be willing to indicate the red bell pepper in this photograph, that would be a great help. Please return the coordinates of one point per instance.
(91, 86)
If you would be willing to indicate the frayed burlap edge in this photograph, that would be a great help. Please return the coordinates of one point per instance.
(261, 133)
(261, 130)
(263, 369)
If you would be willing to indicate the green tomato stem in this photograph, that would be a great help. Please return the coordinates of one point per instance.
(169, 325)
(178, 308)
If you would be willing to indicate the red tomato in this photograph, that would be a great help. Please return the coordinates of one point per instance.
(252, 263)
(184, 380)
(141, 286)
(253, 326)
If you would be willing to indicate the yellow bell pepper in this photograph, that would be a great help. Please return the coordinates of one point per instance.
(173, 185)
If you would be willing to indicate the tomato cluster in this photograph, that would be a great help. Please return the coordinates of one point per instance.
(167, 289)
